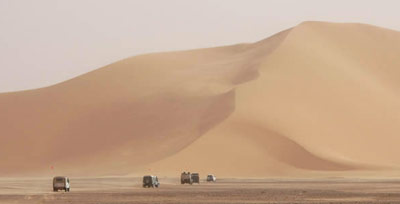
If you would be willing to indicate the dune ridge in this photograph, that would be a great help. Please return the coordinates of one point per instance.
(310, 100)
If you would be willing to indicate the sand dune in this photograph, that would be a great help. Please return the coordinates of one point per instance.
(317, 98)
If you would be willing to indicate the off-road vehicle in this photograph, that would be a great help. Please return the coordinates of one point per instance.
(61, 183)
(150, 181)
(186, 178)
(195, 178)
(211, 178)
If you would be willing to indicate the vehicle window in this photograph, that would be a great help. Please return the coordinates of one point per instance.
(147, 179)
(59, 179)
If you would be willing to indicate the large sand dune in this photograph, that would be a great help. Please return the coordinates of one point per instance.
(317, 98)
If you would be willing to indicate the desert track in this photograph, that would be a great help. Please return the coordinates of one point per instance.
(128, 190)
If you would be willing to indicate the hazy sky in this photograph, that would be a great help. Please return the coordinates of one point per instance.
(43, 42)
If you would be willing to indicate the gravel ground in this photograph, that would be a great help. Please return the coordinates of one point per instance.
(129, 190)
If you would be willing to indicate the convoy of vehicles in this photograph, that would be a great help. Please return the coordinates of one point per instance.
(150, 181)
(61, 183)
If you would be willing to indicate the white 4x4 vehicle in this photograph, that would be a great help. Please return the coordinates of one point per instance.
(61, 183)
(211, 178)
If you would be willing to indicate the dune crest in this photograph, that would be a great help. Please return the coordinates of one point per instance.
(312, 99)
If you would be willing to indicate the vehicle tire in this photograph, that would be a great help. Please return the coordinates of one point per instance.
(54, 190)
(65, 189)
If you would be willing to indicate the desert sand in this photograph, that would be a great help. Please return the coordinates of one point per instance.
(118, 190)
(319, 99)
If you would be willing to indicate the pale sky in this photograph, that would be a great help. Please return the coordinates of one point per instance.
(43, 42)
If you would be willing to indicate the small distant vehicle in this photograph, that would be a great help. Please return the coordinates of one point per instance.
(61, 183)
(195, 178)
(186, 177)
(211, 178)
(150, 181)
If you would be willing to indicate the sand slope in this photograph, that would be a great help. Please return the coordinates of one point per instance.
(320, 97)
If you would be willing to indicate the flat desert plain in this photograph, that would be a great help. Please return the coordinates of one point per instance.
(124, 190)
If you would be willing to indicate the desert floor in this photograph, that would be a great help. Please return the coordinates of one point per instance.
(129, 190)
